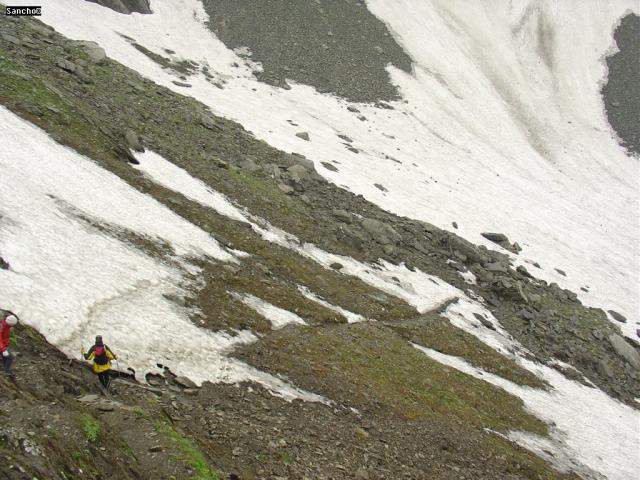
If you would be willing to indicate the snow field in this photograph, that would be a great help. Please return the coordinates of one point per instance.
(503, 129)
(72, 282)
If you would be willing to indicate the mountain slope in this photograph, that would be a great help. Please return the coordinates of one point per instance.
(219, 239)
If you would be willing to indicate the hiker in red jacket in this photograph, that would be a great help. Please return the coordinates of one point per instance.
(5, 341)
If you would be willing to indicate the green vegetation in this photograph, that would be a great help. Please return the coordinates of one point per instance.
(439, 334)
(190, 453)
(90, 427)
(361, 363)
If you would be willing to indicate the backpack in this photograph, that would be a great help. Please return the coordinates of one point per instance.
(100, 355)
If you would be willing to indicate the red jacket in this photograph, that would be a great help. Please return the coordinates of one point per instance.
(5, 334)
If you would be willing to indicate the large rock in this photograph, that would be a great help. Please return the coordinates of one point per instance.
(291, 159)
(618, 317)
(381, 232)
(473, 254)
(625, 350)
(132, 140)
(3, 264)
(95, 52)
(125, 6)
(298, 173)
(495, 237)
(502, 240)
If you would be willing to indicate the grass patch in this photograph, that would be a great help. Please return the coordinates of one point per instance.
(369, 365)
(439, 334)
(190, 453)
(90, 427)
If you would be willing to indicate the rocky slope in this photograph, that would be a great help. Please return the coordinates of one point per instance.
(395, 412)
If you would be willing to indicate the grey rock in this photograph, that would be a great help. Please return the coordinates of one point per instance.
(455, 225)
(381, 232)
(285, 188)
(10, 38)
(303, 136)
(561, 272)
(604, 368)
(132, 140)
(625, 350)
(523, 271)
(4, 265)
(95, 52)
(380, 187)
(291, 159)
(247, 163)
(496, 267)
(617, 316)
(209, 123)
(298, 173)
(342, 215)
(495, 237)
(336, 266)
(473, 254)
(181, 84)
(484, 321)
(329, 166)
(66, 65)
(185, 382)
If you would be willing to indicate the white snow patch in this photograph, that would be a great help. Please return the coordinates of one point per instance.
(278, 317)
(605, 441)
(467, 275)
(350, 316)
(71, 281)
(532, 135)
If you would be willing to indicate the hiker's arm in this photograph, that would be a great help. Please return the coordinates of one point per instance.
(88, 355)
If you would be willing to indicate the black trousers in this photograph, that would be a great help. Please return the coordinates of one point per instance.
(7, 362)
(105, 379)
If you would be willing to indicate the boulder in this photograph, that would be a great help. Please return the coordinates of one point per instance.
(496, 267)
(248, 164)
(495, 237)
(132, 140)
(285, 188)
(303, 136)
(484, 321)
(66, 65)
(95, 52)
(298, 173)
(465, 248)
(4, 265)
(342, 215)
(626, 351)
(381, 232)
(617, 316)
(291, 159)
(185, 382)
(329, 166)
(502, 240)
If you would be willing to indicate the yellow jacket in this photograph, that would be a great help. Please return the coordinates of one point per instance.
(99, 367)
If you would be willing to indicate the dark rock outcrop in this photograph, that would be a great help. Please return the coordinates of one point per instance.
(125, 6)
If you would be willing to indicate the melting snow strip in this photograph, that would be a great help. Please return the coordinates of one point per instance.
(350, 316)
(277, 316)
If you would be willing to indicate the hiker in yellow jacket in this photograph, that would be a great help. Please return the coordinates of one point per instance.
(101, 356)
